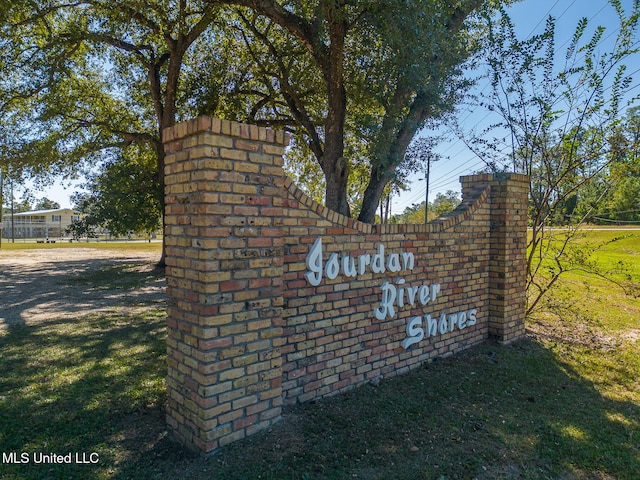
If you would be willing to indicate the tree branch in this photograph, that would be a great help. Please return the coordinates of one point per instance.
(307, 33)
(296, 106)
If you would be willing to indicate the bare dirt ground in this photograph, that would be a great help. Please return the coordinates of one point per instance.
(36, 285)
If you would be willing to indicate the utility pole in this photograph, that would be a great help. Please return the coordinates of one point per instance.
(426, 180)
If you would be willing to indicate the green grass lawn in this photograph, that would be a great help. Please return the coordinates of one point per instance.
(562, 404)
(592, 300)
(133, 246)
(79, 387)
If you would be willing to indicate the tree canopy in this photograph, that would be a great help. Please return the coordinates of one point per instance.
(46, 204)
(84, 77)
(352, 80)
(124, 197)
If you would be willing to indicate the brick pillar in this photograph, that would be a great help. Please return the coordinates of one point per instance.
(507, 267)
(224, 259)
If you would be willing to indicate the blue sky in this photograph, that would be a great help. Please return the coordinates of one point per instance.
(529, 17)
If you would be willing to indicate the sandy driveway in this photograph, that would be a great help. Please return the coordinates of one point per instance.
(36, 285)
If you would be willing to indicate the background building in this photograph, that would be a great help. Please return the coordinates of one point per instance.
(39, 223)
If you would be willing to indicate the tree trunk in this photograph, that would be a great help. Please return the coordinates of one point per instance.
(165, 106)
(333, 163)
(372, 196)
(159, 147)
(337, 176)
(400, 133)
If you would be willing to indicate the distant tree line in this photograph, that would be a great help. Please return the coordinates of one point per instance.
(443, 204)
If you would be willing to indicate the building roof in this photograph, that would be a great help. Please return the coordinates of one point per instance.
(44, 212)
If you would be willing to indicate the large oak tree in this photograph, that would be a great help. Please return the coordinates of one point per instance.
(353, 79)
(95, 74)
(361, 72)
(83, 77)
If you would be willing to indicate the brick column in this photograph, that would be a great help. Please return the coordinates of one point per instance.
(507, 267)
(224, 274)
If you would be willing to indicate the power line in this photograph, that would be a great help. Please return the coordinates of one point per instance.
(606, 89)
(488, 114)
(557, 50)
(451, 176)
(546, 15)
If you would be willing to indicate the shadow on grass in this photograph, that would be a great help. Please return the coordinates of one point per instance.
(491, 413)
(514, 412)
(117, 276)
(36, 291)
(93, 386)
(554, 407)
(520, 412)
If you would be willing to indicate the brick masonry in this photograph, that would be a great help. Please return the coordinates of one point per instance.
(248, 332)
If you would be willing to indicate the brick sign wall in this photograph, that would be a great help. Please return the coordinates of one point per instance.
(274, 299)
